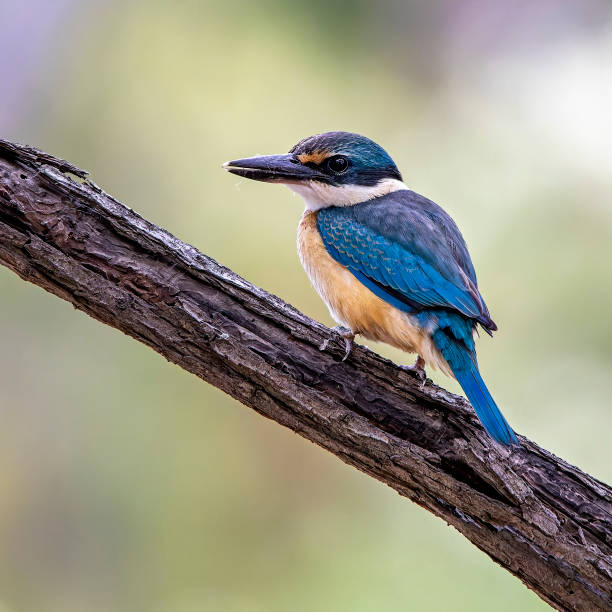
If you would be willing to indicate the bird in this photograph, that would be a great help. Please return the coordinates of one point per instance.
(390, 264)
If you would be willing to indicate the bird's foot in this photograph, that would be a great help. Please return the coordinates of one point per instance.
(348, 336)
(418, 369)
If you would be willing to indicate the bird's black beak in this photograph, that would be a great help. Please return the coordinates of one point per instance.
(273, 168)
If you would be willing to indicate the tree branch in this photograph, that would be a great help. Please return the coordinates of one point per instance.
(543, 520)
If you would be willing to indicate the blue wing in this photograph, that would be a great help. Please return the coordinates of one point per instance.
(406, 250)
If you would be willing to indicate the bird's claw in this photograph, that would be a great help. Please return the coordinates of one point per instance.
(348, 336)
(418, 369)
(348, 346)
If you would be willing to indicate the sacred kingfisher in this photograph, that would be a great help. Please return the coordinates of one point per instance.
(390, 264)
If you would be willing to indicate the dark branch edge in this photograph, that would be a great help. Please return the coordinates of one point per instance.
(540, 518)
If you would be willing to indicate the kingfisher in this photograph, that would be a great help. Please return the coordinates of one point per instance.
(390, 264)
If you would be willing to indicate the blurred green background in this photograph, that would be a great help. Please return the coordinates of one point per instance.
(127, 484)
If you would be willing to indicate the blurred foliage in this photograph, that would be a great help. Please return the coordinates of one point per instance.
(127, 484)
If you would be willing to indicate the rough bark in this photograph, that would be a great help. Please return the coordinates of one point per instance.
(540, 518)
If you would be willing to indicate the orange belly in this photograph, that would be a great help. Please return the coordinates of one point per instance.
(354, 306)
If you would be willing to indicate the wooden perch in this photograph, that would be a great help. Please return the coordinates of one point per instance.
(543, 520)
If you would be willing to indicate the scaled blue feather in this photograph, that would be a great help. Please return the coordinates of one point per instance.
(394, 242)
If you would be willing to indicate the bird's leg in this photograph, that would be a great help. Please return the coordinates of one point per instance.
(348, 336)
(349, 341)
(418, 369)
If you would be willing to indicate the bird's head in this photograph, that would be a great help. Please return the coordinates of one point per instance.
(330, 169)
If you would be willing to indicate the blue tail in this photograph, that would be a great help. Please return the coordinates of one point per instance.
(465, 368)
(492, 419)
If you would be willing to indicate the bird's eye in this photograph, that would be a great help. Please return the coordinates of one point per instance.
(338, 164)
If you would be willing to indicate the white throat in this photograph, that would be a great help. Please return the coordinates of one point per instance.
(319, 195)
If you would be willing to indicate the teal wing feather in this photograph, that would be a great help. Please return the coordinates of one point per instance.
(402, 267)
